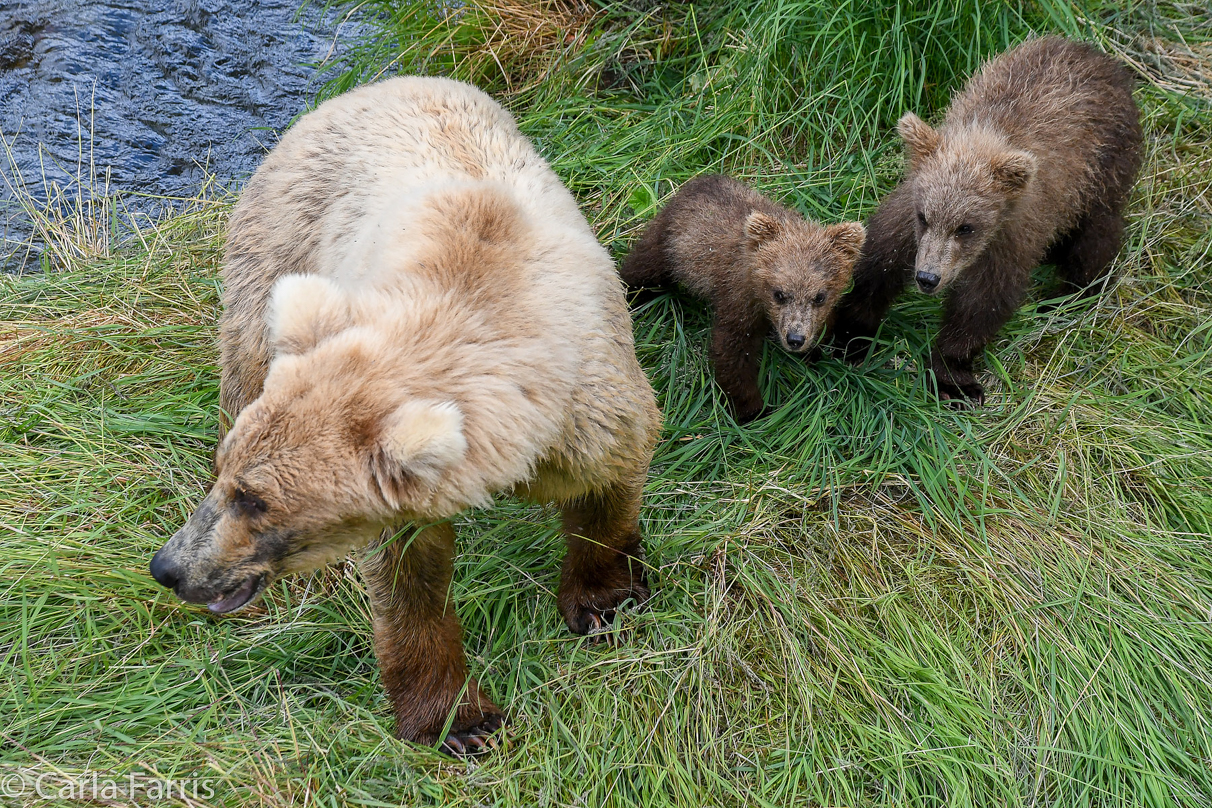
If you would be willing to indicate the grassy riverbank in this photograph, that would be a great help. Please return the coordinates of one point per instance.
(863, 599)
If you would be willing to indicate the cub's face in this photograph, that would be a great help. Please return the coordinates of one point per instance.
(963, 189)
(315, 467)
(952, 232)
(800, 271)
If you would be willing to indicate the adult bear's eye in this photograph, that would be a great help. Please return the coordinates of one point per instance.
(779, 297)
(248, 504)
(964, 230)
(819, 300)
(921, 219)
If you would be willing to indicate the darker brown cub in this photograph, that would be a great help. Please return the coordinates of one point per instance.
(761, 266)
(1033, 162)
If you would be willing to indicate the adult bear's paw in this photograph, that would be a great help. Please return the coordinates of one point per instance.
(589, 603)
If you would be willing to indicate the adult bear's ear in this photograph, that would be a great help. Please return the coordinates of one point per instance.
(304, 310)
(760, 228)
(417, 442)
(847, 239)
(920, 140)
(1013, 171)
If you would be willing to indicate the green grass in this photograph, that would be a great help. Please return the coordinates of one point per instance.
(864, 599)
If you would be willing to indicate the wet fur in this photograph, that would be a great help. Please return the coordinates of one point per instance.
(727, 244)
(1068, 108)
(417, 318)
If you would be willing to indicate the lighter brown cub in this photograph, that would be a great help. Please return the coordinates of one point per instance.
(417, 319)
(1033, 163)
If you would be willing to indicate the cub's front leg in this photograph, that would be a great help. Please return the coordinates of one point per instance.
(419, 644)
(736, 355)
(973, 314)
(883, 269)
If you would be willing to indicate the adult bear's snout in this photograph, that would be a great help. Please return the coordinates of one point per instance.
(164, 570)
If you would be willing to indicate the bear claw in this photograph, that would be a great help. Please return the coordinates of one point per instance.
(963, 397)
(600, 628)
(594, 621)
(960, 389)
(475, 740)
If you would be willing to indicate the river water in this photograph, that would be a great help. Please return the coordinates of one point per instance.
(149, 97)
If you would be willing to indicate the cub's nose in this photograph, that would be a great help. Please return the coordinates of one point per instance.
(163, 570)
(928, 281)
(795, 340)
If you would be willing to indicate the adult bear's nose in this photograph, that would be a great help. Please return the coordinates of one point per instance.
(795, 340)
(928, 281)
(163, 570)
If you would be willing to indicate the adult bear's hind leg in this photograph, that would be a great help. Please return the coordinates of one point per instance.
(605, 563)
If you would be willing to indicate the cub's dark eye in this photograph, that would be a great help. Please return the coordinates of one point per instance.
(779, 297)
(964, 230)
(248, 504)
(921, 218)
(819, 300)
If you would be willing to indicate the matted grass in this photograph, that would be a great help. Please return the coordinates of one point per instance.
(864, 599)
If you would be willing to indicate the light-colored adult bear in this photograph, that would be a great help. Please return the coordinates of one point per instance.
(416, 318)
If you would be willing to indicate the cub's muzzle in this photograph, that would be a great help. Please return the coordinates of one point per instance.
(927, 281)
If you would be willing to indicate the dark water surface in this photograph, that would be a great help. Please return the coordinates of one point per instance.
(161, 92)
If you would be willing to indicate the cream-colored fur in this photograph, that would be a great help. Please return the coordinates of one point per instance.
(535, 351)
(417, 319)
(425, 437)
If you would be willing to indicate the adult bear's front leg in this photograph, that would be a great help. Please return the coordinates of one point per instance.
(605, 563)
(420, 644)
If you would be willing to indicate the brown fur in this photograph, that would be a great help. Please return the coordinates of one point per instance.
(1037, 157)
(419, 644)
(417, 319)
(728, 244)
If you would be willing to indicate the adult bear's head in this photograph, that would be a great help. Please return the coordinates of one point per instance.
(329, 455)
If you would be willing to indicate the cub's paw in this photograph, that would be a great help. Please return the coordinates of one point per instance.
(955, 383)
(852, 349)
(962, 396)
(476, 739)
(590, 607)
(751, 414)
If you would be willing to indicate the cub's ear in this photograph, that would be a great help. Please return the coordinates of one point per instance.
(920, 140)
(760, 228)
(305, 309)
(417, 442)
(1013, 170)
(847, 238)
